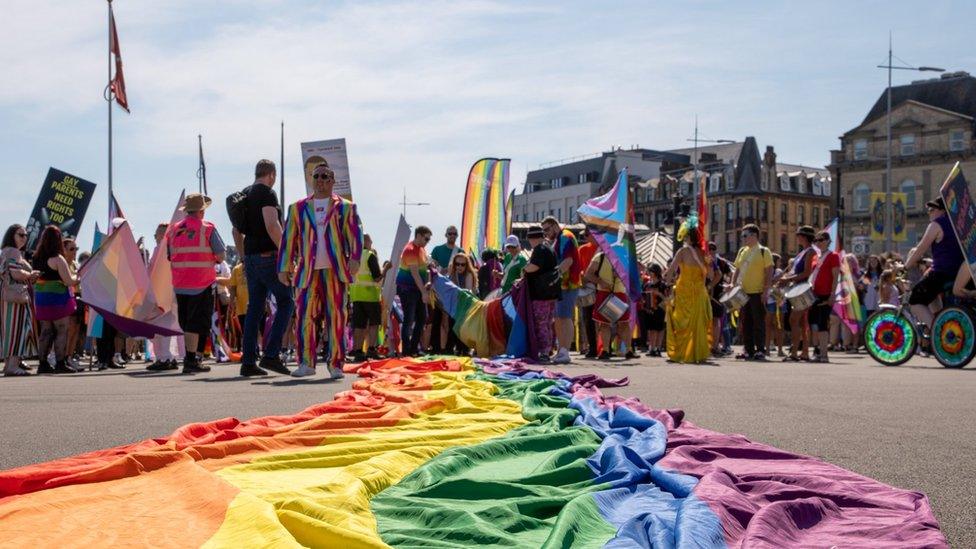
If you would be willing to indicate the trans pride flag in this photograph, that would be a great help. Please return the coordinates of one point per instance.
(846, 303)
(610, 219)
(455, 453)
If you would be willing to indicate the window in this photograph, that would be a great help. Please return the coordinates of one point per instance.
(860, 149)
(713, 222)
(826, 214)
(862, 197)
(729, 176)
(801, 214)
(738, 209)
(729, 215)
(750, 214)
(816, 216)
(763, 211)
(801, 183)
(784, 213)
(817, 185)
(730, 247)
(581, 178)
(764, 238)
(957, 140)
(784, 182)
(907, 144)
(908, 187)
(782, 245)
(714, 182)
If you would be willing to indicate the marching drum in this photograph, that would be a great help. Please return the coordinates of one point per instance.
(586, 296)
(801, 296)
(734, 299)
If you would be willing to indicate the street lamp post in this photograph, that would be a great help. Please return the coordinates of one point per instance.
(889, 220)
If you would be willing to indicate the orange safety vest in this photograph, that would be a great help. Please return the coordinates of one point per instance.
(190, 254)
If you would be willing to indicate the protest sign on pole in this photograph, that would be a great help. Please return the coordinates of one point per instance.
(62, 202)
(333, 152)
(962, 213)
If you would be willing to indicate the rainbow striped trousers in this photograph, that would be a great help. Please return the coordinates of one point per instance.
(325, 298)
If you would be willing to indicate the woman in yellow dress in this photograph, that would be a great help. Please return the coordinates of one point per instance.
(689, 314)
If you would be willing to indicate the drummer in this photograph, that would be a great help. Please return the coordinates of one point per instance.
(824, 282)
(754, 272)
(802, 269)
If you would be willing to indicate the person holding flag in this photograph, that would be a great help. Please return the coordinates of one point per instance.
(824, 280)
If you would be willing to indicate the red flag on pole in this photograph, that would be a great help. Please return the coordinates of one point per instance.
(118, 82)
(703, 216)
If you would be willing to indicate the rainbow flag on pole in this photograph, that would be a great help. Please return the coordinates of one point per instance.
(485, 219)
(453, 453)
(846, 303)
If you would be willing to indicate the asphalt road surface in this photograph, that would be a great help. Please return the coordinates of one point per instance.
(913, 426)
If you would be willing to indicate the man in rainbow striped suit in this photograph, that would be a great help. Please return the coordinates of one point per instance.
(320, 252)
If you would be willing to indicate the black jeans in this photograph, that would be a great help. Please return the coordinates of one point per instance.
(414, 318)
(105, 346)
(590, 326)
(754, 325)
(436, 317)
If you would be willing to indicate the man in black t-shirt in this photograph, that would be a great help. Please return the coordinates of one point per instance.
(544, 289)
(260, 244)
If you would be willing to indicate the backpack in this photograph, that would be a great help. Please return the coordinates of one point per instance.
(237, 209)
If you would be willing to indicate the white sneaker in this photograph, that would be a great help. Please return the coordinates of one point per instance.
(303, 371)
(337, 373)
(562, 357)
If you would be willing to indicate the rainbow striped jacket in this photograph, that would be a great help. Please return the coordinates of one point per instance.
(344, 240)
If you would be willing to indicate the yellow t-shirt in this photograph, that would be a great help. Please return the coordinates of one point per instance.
(753, 278)
(606, 273)
(239, 283)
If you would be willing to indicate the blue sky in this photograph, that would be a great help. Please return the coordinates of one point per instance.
(422, 89)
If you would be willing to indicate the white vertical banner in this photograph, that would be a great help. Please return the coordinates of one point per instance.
(332, 152)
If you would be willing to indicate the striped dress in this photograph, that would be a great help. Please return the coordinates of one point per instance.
(16, 322)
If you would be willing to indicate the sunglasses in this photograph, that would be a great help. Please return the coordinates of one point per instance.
(22, 235)
(71, 249)
(460, 264)
(324, 176)
(451, 234)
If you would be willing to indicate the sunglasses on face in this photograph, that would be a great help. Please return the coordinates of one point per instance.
(324, 176)
(460, 264)
(71, 249)
(22, 235)
(451, 234)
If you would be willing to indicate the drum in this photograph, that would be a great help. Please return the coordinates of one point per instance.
(613, 308)
(801, 296)
(586, 296)
(734, 299)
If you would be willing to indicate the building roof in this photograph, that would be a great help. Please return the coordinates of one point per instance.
(726, 152)
(955, 92)
(780, 168)
(748, 168)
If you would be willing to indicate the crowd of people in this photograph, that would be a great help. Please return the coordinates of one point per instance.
(308, 285)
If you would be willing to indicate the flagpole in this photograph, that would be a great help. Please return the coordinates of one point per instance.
(202, 169)
(108, 98)
(282, 162)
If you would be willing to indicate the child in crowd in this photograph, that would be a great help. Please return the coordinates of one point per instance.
(655, 292)
(887, 291)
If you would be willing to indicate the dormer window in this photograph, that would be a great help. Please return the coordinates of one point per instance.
(860, 149)
(784, 182)
(957, 140)
(714, 182)
(907, 144)
(801, 183)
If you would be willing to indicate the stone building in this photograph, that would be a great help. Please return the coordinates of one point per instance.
(931, 128)
(559, 188)
(744, 187)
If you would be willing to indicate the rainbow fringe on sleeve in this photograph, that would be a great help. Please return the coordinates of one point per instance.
(453, 453)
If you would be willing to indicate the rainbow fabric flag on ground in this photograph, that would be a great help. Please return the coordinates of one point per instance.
(455, 453)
